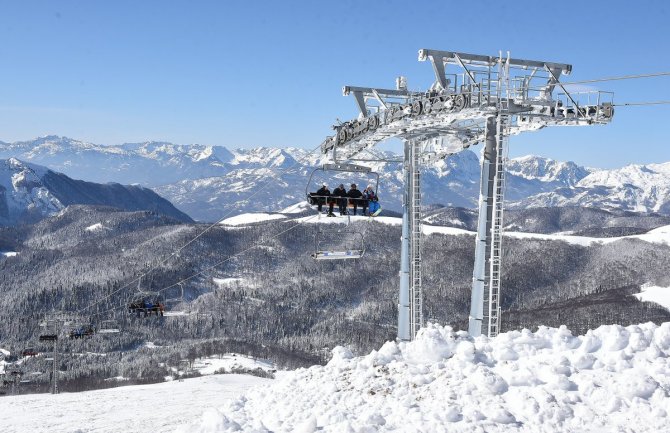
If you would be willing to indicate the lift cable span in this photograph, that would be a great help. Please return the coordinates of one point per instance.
(175, 253)
(300, 220)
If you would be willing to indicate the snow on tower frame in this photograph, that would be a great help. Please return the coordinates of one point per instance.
(487, 99)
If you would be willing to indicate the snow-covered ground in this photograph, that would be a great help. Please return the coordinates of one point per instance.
(613, 379)
(141, 408)
(227, 282)
(230, 362)
(97, 227)
(660, 235)
(251, 218)
(651, 293)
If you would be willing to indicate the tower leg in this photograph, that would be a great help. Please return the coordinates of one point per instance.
(414, 190)
(404, 296)
(480, 273)
(410, 305)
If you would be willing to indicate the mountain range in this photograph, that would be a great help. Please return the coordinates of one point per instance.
(208, 182)
(30, 192)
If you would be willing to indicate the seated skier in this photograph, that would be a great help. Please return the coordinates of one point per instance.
(356, 198)
(320, 196)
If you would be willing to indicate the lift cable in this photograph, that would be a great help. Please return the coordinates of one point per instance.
(207, 229)
(239, 253)
(623, 77)
(600, 80)
(630, 104)
(284, 171)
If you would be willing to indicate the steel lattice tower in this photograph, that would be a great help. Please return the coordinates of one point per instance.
(486, 100)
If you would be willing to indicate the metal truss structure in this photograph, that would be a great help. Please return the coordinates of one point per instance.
(485, 100)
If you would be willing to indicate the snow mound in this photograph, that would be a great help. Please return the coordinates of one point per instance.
(613, 378)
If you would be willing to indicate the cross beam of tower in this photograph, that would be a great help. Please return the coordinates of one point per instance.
(485, 99)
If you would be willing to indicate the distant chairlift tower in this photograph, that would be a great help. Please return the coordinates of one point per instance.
(489, 99)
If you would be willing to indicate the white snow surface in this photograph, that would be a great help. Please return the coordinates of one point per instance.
(140, 408)
(250, 218)
(660, 235)
(227, 282)
(613, 379)
(657, 294)
(230, 362)
(97, 227)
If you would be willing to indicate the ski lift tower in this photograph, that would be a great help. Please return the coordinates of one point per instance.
(485, 99)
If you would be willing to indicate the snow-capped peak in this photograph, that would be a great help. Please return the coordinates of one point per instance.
(547, 170)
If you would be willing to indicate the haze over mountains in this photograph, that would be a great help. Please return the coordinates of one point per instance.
(208, 182)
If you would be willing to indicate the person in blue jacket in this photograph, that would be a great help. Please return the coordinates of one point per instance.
(373, 200)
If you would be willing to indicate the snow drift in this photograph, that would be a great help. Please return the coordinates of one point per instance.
(611, 379)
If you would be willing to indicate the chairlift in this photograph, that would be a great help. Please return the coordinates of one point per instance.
(338, 245)
(328, 172)
(29, 352)
(109, 327)
(178, 300)
(81, 331)
(146, 302)
(50, 332)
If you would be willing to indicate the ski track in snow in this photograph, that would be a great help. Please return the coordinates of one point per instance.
(613, 379)
(140, 408)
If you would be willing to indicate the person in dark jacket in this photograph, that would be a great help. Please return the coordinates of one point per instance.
(340, 191)
(355, 196)
(321, 195)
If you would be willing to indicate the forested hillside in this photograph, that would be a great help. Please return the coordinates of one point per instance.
(275, 301)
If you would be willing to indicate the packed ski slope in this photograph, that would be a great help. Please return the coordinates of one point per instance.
(613, 379)
(150, 408)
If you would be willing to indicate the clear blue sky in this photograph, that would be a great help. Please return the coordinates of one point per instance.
(245, 74)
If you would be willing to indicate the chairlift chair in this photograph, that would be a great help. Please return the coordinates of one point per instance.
(109, 327)
(170, 302)
(50, 332)
(146, 302)
(339, 245)
(315, 200)
(29, 352)
(79, 331)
